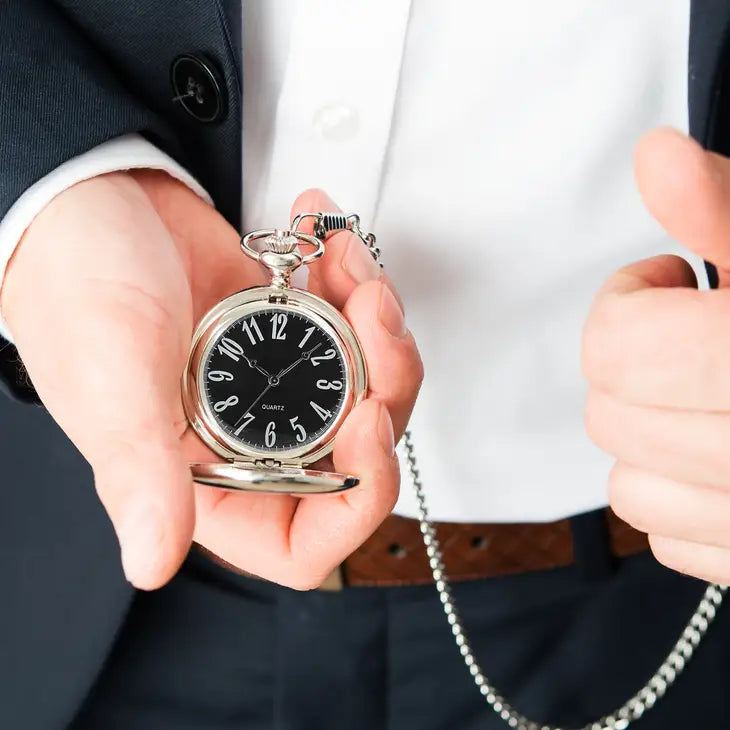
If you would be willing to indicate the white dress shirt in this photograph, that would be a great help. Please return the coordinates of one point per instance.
(489, 146)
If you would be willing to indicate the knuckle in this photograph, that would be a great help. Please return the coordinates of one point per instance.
(417, 368)
(404, 375)
(623, 489)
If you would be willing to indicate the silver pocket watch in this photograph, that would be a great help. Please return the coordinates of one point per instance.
(274, 370)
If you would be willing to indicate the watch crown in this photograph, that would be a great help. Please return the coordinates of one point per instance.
(281, 242)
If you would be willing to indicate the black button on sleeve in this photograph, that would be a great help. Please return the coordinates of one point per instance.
(198, 88)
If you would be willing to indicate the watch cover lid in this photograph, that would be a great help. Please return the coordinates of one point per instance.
(245, 477)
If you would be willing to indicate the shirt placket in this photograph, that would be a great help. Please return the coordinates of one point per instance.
(336, 104)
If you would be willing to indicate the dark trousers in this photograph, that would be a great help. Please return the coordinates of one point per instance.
(217, 651)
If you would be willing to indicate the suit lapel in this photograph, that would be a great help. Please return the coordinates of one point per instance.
(708, 82)
(708, 56)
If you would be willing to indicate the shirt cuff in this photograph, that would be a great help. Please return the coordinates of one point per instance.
(128, 152)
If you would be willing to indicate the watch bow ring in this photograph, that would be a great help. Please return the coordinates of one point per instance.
(273, 372)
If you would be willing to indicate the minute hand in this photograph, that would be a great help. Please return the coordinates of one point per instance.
(305, 356)
(261, 395)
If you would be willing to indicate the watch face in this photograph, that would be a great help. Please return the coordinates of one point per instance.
(274, 380)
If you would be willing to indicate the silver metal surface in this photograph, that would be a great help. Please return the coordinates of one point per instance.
(280, 252)
(286, 480)
(327, 222)
(248, 468)
(218, 319)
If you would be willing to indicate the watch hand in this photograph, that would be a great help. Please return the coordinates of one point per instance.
(261, 395)
(253, 364)
(305, 356)
(273, 379)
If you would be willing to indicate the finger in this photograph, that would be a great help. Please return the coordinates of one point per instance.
(105, 356)
(326, 530)
(684, 446)
(687, 189)
(651, 339)
(395, 369)
(346, 262)
(298, 542)
(661, 506)
(701, 561)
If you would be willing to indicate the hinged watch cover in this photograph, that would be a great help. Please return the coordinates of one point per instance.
(282, 464)
(280, 479)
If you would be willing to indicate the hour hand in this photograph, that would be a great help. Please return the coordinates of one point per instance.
(253, 364)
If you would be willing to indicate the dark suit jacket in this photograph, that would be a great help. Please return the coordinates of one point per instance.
(75, 73)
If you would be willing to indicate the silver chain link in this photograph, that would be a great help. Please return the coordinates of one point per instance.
(633, 709)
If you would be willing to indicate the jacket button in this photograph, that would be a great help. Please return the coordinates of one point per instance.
(198, 88)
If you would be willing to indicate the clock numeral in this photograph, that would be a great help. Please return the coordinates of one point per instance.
(247, 418)
(221, 405)
(299, 429)
(251, 328)
(230, 347)
(321, 412)
(270, 435)
(309, 331)
(327, 385)
(328, 355)
(217, 375)
(278, 322)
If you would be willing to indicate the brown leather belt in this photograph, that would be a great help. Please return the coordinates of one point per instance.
(395, 556)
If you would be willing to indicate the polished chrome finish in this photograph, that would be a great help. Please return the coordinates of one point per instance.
(367, 238)
(280, 252)
(258, 299)
(247, 468)
(237, 477)
(331, 222)
(326, 223)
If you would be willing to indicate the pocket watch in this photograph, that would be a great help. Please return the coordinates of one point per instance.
(274, 370)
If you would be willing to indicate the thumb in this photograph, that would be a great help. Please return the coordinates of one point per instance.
(144, 483)
(102, 332)
(687, 189)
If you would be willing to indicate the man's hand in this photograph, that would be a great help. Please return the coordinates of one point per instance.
(101, 298)
(657, 356)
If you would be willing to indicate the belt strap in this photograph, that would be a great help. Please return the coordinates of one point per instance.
(394, 555)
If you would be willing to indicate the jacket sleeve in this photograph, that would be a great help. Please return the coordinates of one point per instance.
(59, 98)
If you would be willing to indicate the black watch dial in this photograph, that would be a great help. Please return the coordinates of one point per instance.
(275, 380)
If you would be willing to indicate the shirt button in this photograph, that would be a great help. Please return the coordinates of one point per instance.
(336, 121)
(198, 88)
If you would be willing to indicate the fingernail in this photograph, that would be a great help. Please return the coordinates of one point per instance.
(358, 262)
(141, 536)
(385, 431)
(390, 314)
